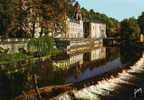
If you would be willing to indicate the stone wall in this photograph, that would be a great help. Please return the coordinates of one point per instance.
(13, 44)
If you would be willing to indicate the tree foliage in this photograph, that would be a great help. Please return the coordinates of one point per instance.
(51, 15)
(5, 15)
(130, 29)
(15, 20)
(44, 45)
(141, 22)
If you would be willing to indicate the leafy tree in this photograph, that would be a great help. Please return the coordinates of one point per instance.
(19, 18)
(130, 29)
(130, 32)
(50, 14)
(141, 22)
(85, 14)
(5, 16)
(12, 17)
(44, 45)
(53, 13)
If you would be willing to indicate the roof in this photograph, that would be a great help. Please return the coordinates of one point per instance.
(97, 22)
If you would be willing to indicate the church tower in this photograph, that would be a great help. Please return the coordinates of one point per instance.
(77, 12)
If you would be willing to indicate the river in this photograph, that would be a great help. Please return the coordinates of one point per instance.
(62, 69)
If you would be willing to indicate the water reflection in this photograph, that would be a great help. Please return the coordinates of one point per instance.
(88, 64)
(121, 87)
(61, 69)
(99, 53)
(126, 84)
(88, 73)
(69, 60)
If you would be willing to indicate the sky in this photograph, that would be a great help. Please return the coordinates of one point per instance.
(118, 9)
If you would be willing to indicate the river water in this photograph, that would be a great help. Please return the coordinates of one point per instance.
(126, 85)
(89, 64)
(62, 69)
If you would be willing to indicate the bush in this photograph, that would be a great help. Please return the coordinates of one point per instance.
(43, 45)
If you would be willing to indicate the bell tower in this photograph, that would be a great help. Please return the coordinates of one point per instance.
(77, 12)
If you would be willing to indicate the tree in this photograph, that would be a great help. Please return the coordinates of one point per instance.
(85, 14)
(112, 27)
(12, 17)
(130, 32)
(5, 16)
(53, 13)
(130, 29)
(19, 17)
(43, 45)
(141, 22)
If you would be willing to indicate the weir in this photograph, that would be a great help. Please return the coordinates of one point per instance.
(112, 87)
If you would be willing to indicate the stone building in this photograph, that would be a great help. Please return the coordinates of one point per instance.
(74, 28)
(94, 30)
(74, 25)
